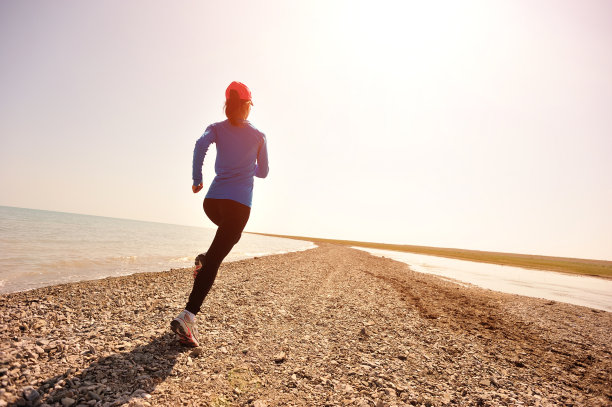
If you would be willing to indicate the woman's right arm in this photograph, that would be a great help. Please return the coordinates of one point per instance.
(201, 147)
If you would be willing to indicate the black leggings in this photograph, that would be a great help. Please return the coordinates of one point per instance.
(231, 217)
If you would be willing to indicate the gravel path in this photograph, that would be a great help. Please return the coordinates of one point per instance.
(325, 327)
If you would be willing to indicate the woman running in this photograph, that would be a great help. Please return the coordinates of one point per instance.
(241, 155)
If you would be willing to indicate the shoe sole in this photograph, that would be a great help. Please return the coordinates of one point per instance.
(183, 338)
(198, 264)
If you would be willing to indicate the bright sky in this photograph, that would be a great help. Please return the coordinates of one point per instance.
(474, 124)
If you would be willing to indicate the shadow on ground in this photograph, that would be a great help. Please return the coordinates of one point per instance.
(115, 379)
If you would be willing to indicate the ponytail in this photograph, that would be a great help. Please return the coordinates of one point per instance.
(235, 108)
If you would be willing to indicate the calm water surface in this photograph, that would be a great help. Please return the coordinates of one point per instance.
(40, 248)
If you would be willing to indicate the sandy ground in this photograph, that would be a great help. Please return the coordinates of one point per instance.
(325, 327)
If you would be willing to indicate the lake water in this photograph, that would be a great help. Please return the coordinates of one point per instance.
(41, 248)
(590, 292)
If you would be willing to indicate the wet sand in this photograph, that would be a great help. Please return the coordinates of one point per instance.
(328, 326)
(588, 291)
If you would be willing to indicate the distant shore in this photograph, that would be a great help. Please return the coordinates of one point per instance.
(595, 268)
(326, 326)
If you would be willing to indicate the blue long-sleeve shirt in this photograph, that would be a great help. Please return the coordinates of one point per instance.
(242, 154)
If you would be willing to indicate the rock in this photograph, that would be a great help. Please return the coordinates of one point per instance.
(390, 392)
(196, 352)
(67, 401)
(93, 395)
(260, 403)
(280, 357)
(30, 354)
(361, 402)
(30, 394)
(42, 342)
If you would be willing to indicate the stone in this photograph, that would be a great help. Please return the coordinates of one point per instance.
(361, 402)
(93, 395)
(31, 394)
(139, 392)
(280, 357)
(67, 401)
(390, 392)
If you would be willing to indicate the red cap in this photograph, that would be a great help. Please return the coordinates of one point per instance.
(243, 92)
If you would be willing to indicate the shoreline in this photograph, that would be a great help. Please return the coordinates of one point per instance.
(331, 325)
(577, 289)
(567, 265)
(101, 277)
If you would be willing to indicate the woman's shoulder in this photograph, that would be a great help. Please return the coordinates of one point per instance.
(218, 124)
(225, 126)
(254, 129)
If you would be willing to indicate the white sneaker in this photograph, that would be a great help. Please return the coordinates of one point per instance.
(185, 327)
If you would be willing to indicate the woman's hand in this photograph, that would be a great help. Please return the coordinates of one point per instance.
(196, 188)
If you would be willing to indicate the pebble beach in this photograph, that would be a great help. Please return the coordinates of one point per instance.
(330, 326)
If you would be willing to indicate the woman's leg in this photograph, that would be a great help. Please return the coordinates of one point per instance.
(232, 217)
(212, 209)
